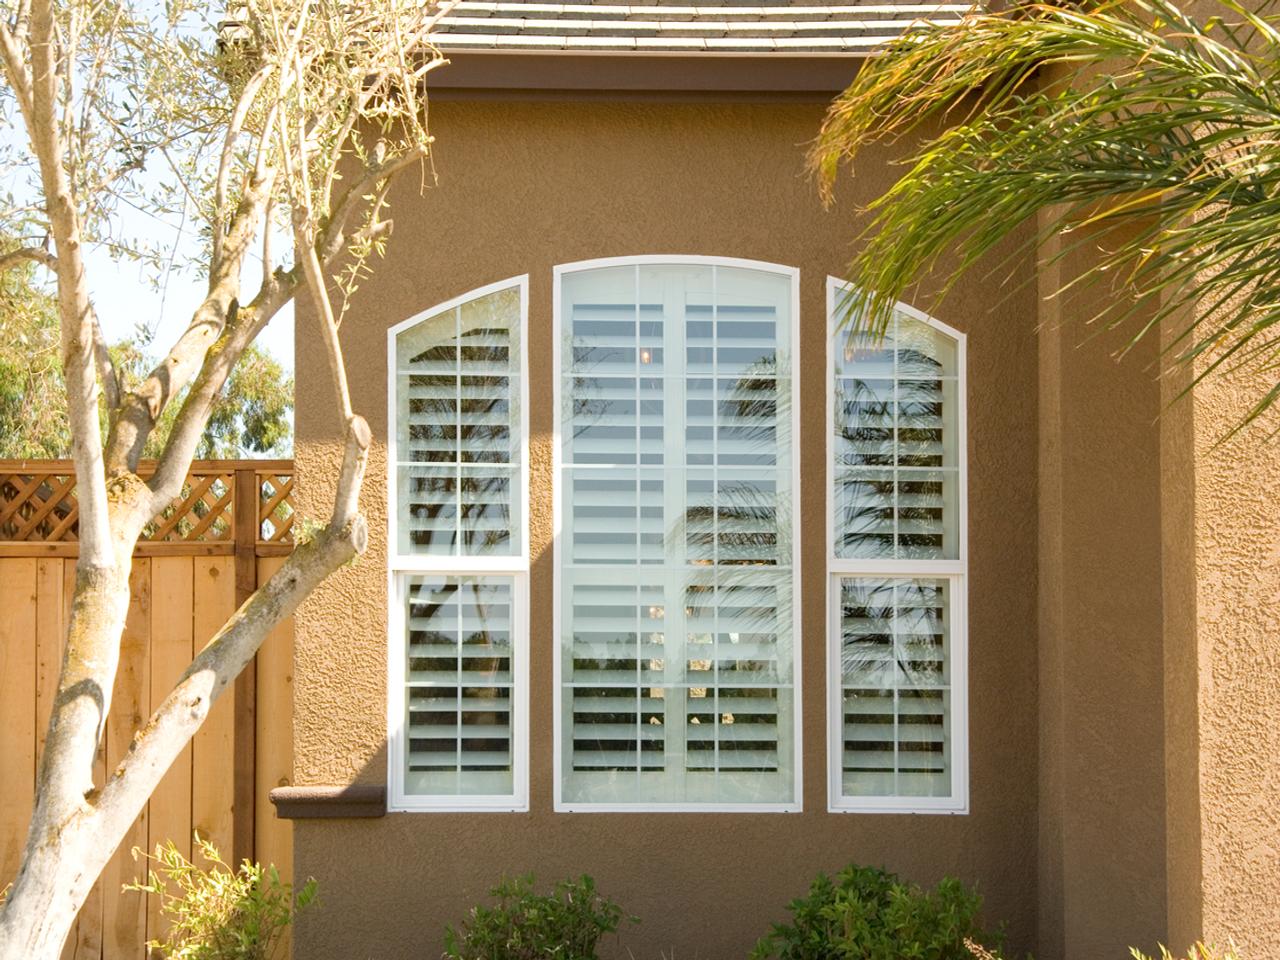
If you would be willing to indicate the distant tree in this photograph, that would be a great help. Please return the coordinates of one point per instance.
(250, 417)
(33, 403)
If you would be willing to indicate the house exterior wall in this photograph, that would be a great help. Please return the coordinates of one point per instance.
(1065, 592)
(1103, 840)
(1237, 680)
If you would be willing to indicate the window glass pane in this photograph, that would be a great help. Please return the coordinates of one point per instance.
(458, 448)
(459, 673)
(897, 445)
(676, 575)
(895, 686)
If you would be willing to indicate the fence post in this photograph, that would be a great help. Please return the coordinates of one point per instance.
(245, 530)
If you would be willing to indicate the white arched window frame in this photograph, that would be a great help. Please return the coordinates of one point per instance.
(593, 791)
(869, 771)
(474, 580)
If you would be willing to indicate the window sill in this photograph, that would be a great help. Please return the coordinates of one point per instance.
(354, 801)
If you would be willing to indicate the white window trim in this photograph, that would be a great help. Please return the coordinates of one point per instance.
(956, 572)
(517, 567)
(560, 805)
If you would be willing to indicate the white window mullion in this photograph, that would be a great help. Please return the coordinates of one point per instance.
(675, 482)
(457, 419)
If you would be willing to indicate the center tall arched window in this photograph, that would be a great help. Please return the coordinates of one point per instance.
(676, 476)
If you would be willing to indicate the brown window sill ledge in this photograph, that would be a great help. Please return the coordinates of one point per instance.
(310, 803)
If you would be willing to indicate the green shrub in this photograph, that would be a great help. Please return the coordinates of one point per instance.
(564, 925)
(870, 914)
(217, 913)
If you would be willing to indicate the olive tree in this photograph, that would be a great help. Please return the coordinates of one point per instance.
(287, 121)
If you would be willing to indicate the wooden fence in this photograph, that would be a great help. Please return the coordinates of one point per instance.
(226, 534)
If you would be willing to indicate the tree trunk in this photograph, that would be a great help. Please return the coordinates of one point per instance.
(55, 879)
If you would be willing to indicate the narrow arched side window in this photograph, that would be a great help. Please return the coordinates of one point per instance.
(458, 558)
(897, 566)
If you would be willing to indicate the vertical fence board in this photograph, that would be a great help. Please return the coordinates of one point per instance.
(245, 527)
(126, 932)
(170, 806)
(17, 708)
(51, 628)
(213, 761)
(53, 604)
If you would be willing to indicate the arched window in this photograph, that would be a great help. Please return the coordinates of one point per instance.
(897, 563)
(676, 474)
(458, 553)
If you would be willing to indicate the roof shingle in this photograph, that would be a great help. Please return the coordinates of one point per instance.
(656, 27)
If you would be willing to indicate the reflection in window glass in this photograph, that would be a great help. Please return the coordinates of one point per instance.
(459, 618)
(459, 672)
(894, 686)
(896, 459)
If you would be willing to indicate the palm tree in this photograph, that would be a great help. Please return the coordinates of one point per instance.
(1129, 126)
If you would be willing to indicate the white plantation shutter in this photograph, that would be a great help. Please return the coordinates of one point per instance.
(676, 554)
(897, 566)
(896, 464)
(460, 684)
(459, 558)
(894, 684)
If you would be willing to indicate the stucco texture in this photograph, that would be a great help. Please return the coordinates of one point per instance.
(1237, 561)
(526, 185)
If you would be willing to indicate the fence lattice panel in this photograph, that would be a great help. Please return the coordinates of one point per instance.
(38, 503)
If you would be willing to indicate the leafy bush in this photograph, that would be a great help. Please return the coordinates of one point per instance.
(524, 925)
(870, 914)
(216, 913)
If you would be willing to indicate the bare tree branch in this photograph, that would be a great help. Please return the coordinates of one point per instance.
(28, 255)
(234, 128)
(333, 237)
(141, 408)
(15, 65)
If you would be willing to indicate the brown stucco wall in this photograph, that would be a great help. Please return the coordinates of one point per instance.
(526, 185)
(1237, 565)
(1102, 843)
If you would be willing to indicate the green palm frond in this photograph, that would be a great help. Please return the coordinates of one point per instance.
(1150, 135)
